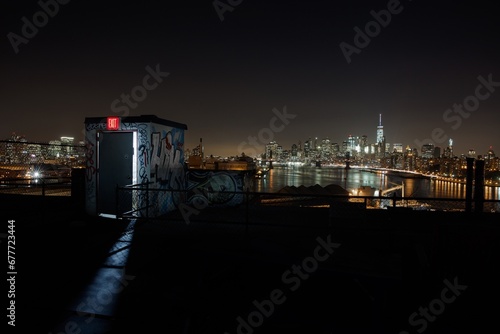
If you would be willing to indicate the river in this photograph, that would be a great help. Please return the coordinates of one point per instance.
(281, 176)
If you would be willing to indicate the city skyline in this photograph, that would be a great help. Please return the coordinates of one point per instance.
(232, 71)
(380, 139)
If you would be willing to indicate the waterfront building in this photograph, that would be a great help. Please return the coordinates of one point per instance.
(495, 164)
(273, 151)
(491, 160)
(409, 159)
(326, 149)
(353, 145)
(295, 153)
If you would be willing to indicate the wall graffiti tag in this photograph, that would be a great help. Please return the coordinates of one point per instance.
(167, 167)
(167, 159)
(219, 188)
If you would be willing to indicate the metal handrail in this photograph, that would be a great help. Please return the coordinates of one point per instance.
(324, 198)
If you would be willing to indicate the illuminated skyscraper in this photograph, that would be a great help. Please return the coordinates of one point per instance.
(448, 151)
(308, 147)
(380, 138)
(363, 142)
(380, 131)
(272, 149)
(353, 145)
(67, 145)
(491, 154)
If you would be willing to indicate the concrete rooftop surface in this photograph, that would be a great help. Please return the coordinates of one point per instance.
(277, 270)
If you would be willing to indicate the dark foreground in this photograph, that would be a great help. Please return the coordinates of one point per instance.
(289, 271)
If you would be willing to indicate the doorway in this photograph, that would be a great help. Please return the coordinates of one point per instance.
(114, 168)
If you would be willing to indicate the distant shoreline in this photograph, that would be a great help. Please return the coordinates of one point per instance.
(396, 172)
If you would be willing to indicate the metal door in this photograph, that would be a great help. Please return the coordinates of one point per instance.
(116, 154)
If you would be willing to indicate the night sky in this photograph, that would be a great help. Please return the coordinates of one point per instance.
(226, 76)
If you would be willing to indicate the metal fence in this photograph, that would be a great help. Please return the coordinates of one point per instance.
(251, 202)
(51, 186)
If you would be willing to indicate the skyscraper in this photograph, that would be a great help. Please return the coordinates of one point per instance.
(448, 151)
(380, 131)
(427, 151)
(380, 138)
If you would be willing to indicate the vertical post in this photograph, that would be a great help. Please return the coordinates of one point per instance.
(468, 184)
(44, 199)
(479, 187)
(116, 202)
(394, 199)
(405, 202)
(246, 213)
(147, 201)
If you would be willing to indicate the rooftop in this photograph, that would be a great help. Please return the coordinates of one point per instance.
(199, 276)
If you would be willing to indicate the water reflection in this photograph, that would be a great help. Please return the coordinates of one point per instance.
(351, 179)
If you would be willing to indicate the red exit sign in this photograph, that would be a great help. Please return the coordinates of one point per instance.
(113, 123)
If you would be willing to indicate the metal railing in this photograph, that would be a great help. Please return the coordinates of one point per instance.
(140, 208)
(339, 205)
(47, 186)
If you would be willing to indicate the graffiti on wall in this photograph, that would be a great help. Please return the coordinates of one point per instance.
(216, 188)
(167, 169)
(139, 198)
(143, 148)
(167, 159)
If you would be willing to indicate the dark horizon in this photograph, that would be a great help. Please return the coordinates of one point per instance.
(225, 71)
